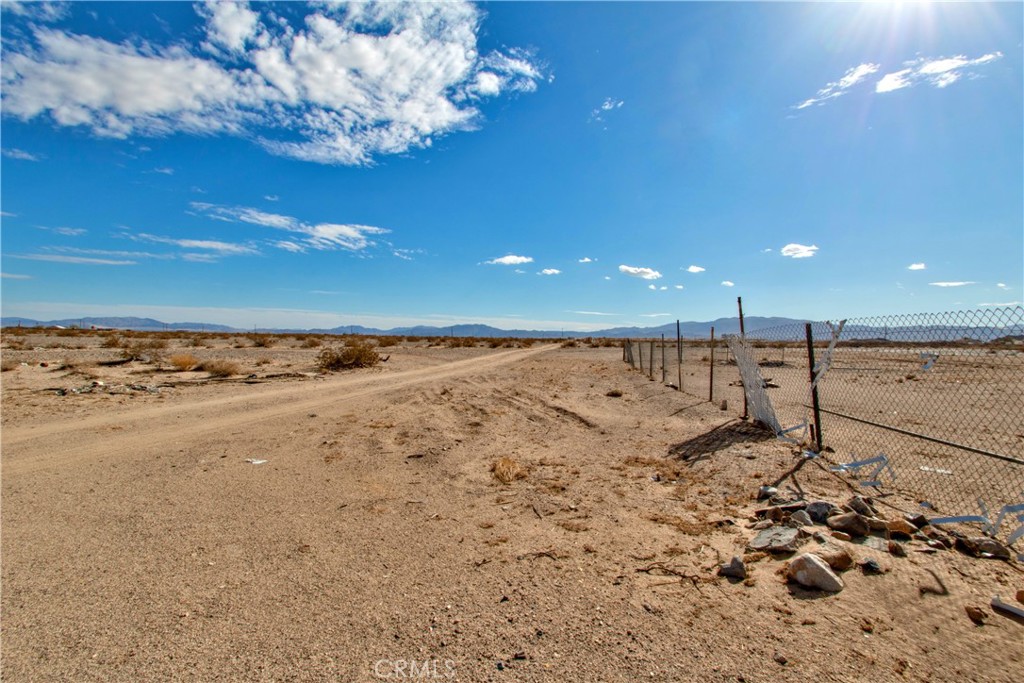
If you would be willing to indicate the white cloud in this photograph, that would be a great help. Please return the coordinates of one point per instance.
(798, 250)
(350, 83)
(1005, 303)
(607, 277)
(1002, 285)
(321, 236)
(852, 77)
(200, 258)
(608, 105)
(728, 283)
(550, 271)
(230, 24)
(643, 273)
(654, 315)
(951, 284)
(271, 197)
(15, 276)
(19, 154)
(678, 286)
(939, 72)
(652, 287)
(695, 269)
(590, 313)
(766, 251)
(82, 260)
(510, 260)
(586, 259)
(8, 214)
(916, 266)
(166, 170)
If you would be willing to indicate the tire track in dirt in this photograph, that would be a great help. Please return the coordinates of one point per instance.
(32, 448)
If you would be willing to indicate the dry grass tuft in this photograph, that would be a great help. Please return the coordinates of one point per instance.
(219, 368)
(506, 470)
(183, 362)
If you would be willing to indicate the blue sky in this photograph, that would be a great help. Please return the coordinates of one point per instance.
(528, 165)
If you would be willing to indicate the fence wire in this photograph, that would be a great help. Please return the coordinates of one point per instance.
(936, 397)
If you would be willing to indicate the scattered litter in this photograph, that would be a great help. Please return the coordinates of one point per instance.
(1006, 608)
(881, 460)
(254, 461)
(935, 470)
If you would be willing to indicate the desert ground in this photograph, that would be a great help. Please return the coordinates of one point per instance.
(284, 524)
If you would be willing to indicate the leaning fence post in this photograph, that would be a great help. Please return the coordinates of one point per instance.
(640, 351)
(711, 373)
(816, 427)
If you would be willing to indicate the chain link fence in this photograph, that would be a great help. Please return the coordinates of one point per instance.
(929, 404)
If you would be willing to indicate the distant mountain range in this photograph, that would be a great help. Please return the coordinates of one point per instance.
(781, 329)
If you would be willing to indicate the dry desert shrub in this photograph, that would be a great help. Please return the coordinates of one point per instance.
(183, 362)
(506, 470)
(219, 368)
(311, 343)
(262, 341)
(7, 365)
(355, 354)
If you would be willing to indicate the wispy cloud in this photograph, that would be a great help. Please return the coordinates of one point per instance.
(952, 284)
(728, 283)
(81, 260)
(19, 154)
(939, 72)
(695, 269)
(37, 11)
(340, 86)
(509, 260)
(586, 259)
(591, 313)
(1005, 303)
(319, 236)
(640, 272)
(271, 197)
(1002, 285)
(15, 276)
(67, 232)
(222, 248)
(550, 271)
(798, 250)
(678, 286)
(8, 214)
(916, 266)
(852, 77)
(166, 170)
(654, 315)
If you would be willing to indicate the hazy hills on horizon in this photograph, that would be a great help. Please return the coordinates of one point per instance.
(788, 329)
(688, 329)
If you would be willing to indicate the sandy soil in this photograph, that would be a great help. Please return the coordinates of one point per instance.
(140, 542)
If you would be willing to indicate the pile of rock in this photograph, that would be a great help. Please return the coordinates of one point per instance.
(785, 526)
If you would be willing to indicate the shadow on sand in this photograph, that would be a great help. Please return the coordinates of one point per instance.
(721, 437)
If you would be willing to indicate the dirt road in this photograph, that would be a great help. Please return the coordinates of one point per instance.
(140, 542)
